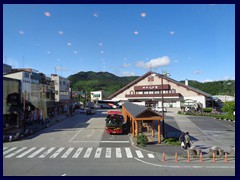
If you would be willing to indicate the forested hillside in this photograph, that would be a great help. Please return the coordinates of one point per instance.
(110, 83)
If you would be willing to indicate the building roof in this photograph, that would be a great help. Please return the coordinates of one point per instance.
(139, 111)
(161, 76)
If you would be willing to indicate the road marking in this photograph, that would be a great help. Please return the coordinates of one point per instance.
(36, 152)
(139, 154)
(4, 148)
(16, 152)
(114, 141)
(77, 153)
(26, 152)
(65, 155)
(9, 150)
(57, 152)
(46, 152)
(91, 133)
(108, 153)
(84, 126)
(98, 153)
(128, 152)
(184, 166)
(118, 153)
(88, 152)
(150, 155)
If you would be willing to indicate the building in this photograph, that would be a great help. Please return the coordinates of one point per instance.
(62, 88)
(151, 89)
(96, 95)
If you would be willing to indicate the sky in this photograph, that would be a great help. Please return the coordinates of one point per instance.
(195, 41)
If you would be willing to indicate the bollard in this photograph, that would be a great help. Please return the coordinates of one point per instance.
(163, 157)
(226, 158)
(213, 157)
(188, 158)
(176, 157)
(200, 157)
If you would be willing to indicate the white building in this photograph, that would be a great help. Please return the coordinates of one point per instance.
(62, 88)
(151, 88)
(96, 95)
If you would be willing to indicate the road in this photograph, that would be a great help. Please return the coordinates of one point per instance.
(78, 146)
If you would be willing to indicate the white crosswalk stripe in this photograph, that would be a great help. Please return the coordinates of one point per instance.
(118, 153)
(53, 152)
(37, 152)
(65, 155)
(26, 152)
(108, 152)
(150, 155)
(77, 153)
(9, 150)
(88, 153)
(139, 154)
(129, 153)
(46, 152)
(98, 153)
(57, 152)
(16, 152)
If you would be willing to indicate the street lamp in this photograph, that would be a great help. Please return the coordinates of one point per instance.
(163, 74)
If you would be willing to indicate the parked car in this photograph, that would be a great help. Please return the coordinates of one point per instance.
(159, 109)
(90, 110)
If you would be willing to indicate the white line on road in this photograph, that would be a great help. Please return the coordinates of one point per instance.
(118, 153)
(77, 133)
(36, 152)
(98, 153)
(77, 153)
(108, 153)
(65, 155)
(57, 152)
(150, 155)
(9, 150)
(128, 152)
(88, 152)
(16, 152)
(4, 148)
(190, 166)
(26, 152)
(93, 130)
(46, 152)
(139, 154)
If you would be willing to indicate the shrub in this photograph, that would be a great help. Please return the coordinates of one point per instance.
(207, 110)
(172, 141)
(142, 139)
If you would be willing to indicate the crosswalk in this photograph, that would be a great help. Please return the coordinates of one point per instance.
(75, 152)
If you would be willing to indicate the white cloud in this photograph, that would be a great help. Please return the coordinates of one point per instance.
(172, 33)
(126, 64)
(135, 32)
(197, 72)
(48, 52)
(21, 32)
(95, 14)
(60, 32)
(75, 52)
(208, 80)
(59, 68)
(102, 52)
(100, 44)
(128, 74)
(48, 14)
(154, 63)
(69, 44)
(143, 14)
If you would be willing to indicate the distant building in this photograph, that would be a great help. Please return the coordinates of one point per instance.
(224, 98)
(6, 68)
(96, 95)
(62, 88)
(148, 90)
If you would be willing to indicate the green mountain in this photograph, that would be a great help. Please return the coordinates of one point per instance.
(94, 81)
(215, 87)
(110, 83)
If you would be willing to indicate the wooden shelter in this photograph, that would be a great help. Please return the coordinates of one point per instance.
(138, 116)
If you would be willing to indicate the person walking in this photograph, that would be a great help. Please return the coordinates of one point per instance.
(187, 140)
(182, 140)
